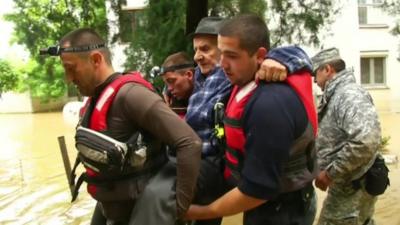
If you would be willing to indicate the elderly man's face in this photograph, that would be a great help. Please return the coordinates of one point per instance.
(206, 51)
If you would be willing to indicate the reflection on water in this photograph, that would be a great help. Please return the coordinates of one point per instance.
(34, 187)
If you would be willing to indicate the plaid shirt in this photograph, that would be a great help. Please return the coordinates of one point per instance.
(215, 87)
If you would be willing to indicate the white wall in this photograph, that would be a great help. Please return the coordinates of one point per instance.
(15, 103)
(346, 34)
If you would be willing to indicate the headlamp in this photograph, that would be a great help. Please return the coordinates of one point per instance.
(56, 50)
(164, 70)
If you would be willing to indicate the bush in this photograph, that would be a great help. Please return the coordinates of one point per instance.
(382, 148)
(8, 77)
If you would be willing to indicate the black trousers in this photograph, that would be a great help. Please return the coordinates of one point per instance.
(294, 208)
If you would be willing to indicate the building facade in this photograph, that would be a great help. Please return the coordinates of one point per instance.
(362, 33)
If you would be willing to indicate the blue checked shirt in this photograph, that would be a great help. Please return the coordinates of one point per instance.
(215, 87)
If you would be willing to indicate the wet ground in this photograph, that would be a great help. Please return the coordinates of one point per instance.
(34, 189)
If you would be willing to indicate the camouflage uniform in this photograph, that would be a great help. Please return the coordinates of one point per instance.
(347, 143)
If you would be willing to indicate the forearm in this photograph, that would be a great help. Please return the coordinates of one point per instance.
(188, 166)
(183, 140)
(351, 162)
(356, 116)
(293, 57)
(231, 203)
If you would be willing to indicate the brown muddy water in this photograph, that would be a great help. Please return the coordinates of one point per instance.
(34, 188)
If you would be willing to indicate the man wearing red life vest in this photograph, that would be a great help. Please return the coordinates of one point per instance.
(119, 107)
(270, 133)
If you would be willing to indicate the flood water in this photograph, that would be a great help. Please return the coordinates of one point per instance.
(34, 187)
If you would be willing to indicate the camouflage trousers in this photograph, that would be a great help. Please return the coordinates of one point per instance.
(346, 206)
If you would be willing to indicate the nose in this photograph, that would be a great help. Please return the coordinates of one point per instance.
(170, 87)
(222, 62)
(197, 56)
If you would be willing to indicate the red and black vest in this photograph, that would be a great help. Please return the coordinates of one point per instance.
(301, 167)
(97, 120)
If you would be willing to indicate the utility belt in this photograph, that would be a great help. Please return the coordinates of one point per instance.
(376, 178)
(113, 160)
(304, 193)
(303, 197)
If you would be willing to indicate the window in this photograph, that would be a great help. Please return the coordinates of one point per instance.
(369, 12)
(362, 14)
(373, 70)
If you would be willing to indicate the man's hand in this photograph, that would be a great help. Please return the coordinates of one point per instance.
(229, 204)
(167, 99)
(196, 212)
(323, 180)
(271, 70)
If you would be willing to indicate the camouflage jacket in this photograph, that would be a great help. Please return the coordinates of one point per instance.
(349, 129)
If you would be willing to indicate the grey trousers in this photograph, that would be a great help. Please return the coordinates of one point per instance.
(157, 203)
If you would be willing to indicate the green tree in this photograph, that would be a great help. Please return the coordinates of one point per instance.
(8, 77)
(162, 28)
(159, 30)
(393, 8)
(40, 23)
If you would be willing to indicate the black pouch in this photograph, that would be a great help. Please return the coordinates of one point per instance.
(99, 152)
(377, 177)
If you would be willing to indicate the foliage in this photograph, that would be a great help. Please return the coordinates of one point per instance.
(383, 146)
(160, 28)
(40, 23)
(393, 8)
(299, 21)
(8, 77)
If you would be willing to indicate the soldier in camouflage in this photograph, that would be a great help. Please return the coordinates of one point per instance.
(347, 143)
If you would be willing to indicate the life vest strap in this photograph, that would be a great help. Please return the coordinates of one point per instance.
(235, 123)
(150, 168)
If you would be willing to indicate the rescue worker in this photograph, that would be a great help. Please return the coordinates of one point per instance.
(347, 143)
(121, 107)
(269, 129)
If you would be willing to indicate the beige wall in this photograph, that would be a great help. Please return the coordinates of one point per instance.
(15, 103)
(23, 103)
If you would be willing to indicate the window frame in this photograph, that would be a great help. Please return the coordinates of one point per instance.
(369, 5)
(371, 55)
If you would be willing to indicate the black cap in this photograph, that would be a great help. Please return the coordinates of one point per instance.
(209, 25)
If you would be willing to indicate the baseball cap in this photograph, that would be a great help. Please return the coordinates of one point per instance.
(323, 57)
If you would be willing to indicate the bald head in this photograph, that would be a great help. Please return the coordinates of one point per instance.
(85, 40)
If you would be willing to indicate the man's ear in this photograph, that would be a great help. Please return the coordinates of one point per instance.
(96, 58)
(330, 70)
(189, 74)
(260, 54)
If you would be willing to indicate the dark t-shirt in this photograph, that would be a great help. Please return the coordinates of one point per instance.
(274, 117)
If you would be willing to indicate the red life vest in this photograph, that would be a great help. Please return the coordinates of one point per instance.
(98, 117)
(235, 137)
